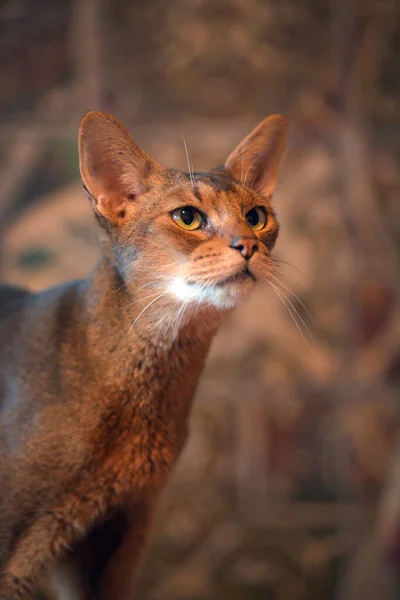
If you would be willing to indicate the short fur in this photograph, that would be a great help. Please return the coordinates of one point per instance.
(97, 376)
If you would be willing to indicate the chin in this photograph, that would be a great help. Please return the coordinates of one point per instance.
(224, 296)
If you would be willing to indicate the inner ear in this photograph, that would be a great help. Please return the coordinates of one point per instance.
(114, 169)
(255, 161)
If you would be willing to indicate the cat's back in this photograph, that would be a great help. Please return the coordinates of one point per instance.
(36, 310)
(11, 299)
(42, 346)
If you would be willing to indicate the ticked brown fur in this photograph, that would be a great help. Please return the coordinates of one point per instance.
(97, 377)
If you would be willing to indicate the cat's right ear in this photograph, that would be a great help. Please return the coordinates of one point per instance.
(114, 170)
(255, 162)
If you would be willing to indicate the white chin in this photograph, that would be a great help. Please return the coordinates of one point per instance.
(222, 297)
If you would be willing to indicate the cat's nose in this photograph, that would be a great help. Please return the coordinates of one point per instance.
(246, 246)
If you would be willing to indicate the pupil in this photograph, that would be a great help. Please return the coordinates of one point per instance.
(187, 216)
(252, 217)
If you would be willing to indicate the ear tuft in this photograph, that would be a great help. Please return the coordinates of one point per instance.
(255, 162)
(113, 167)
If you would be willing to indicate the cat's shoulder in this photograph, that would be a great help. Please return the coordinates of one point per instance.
(11, 296)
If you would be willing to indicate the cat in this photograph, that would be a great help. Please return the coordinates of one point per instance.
(97, 377)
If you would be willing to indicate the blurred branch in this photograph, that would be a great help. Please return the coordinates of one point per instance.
(86, 44)
(360, 54)
(22, 157)
(374, 360)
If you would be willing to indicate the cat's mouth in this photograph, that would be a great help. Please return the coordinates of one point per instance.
(243, 275)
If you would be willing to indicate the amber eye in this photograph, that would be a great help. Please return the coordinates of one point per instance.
(188, 218)
(256, 218)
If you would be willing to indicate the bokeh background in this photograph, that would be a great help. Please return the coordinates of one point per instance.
(289, 488)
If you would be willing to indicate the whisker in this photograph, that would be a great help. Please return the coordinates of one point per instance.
(179, 318)
(294, 296)
(279, 270)
(159, 270)
(124, 284)
(144, 309)
(164, 270)
(297, 313)
(279, 261)
(242, 154)
(247, 172)
(142, 299)
(290, 308)
(188, 161)
(147, 284)
(254, 179)
(256, 196)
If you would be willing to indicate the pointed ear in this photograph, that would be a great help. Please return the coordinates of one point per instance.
(256, 160)
(114, 170)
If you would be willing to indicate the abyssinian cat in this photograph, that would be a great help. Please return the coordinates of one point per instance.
(97, 376)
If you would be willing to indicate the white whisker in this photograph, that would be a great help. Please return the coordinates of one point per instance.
(179, 318)
(188, 161)
(290, 308)
(279, 261)
(294, 296)
(145, 308)
(254, 179)
(297, 312)
(159, 270)
(279, 270)
(142, 299)
(147, 284)
(247, 172)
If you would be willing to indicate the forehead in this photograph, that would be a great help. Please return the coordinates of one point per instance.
(217, 190)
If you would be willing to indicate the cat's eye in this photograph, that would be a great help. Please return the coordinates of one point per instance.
(188, 218)
(257, 218)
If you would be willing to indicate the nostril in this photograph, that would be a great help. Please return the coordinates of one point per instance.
(246, 246)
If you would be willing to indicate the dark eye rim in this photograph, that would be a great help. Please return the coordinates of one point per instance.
(263, 210)
(203, 217)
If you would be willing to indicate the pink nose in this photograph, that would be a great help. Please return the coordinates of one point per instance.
(246, 246)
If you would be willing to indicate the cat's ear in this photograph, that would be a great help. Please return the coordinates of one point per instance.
(114, 170)
(255, 162)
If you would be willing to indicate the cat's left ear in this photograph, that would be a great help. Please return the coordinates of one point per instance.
(114, 170)
(255, 162)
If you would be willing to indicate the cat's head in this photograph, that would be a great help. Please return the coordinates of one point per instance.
(199, 239)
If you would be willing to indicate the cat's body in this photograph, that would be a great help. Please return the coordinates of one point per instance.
(96, 388)
(124, 433)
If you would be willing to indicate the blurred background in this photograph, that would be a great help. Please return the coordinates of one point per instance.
(289, 488)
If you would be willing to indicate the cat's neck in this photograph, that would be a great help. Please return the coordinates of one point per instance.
(116, 339)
